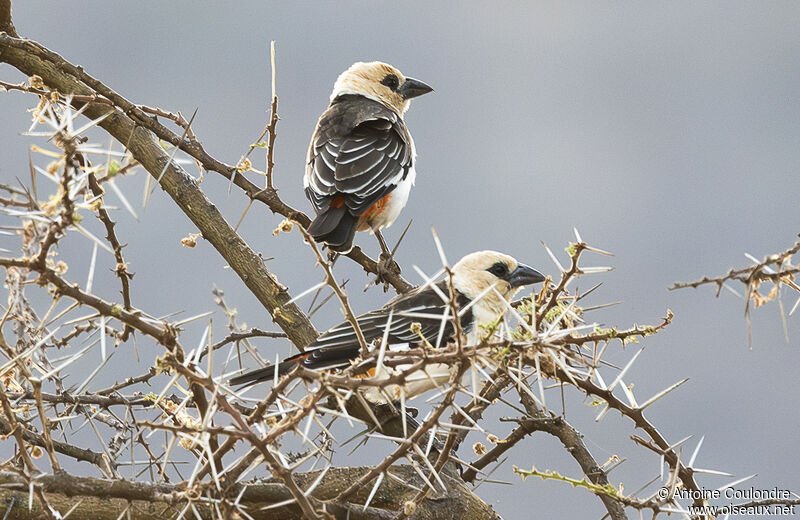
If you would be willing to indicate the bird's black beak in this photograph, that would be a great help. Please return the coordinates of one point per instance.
(524, 275)
(413, 88)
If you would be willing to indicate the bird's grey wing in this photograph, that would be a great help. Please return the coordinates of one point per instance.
(361, 151)
(425, 307)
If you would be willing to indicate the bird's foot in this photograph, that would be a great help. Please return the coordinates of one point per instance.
(387, 268)
(332, 256)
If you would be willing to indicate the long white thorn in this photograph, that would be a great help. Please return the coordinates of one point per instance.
(421, 473)
(794, 307)
(696, 451)
(662, 394)
(513, 311)
(628, 394)
(92, 263)
(374, 490)
(67, 363)
(736, 482)
(306, 292)
(524, 386)
(430, 466)
(712, 472)
(439, 247)
(278, 504)
(91, 123)
(121, 197)
(403, 412)
(427, 281)
(193, 318)
(317, 481)
(597, 269)
(93, 238)
(431, 437)
(673, 446)
(555, 323)
(553, 258)
(384, 343)
(539, 381)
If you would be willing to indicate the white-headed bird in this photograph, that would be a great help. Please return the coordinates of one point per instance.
(360, 165)
(473, 277)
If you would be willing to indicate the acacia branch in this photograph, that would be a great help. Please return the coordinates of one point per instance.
(340, 293)
(756, 273)
(637, 416)
(121, 268)
(69, 450)
(5, 18)
(572, 440)
(276, 466)
(239, 336)
(102, 499)
(33, 59)
(163, 334)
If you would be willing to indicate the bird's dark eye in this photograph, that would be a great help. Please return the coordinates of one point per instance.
(499, 269)
(391, 81)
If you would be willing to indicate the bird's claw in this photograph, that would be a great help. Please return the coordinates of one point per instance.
(386, 269)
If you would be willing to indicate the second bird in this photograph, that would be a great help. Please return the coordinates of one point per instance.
(360, 165)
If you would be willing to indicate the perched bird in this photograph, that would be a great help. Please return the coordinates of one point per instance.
(473, 276)
(360, 165)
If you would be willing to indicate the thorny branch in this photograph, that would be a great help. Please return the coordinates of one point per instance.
(216, 437)
(758, 272)
(121, 269)
(127, 124)
(776, 269)
(337, 289)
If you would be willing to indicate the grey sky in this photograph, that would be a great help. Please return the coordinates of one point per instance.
(665, 132)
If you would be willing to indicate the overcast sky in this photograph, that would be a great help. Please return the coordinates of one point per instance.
(665, 132)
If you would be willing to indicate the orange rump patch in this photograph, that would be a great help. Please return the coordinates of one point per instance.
(370, 372)
(376, 209)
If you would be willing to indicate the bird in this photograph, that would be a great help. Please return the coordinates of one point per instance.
(360, 162)
(472, 280)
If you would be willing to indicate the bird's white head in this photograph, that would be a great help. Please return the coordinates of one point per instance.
(478, 271)
(381, 82)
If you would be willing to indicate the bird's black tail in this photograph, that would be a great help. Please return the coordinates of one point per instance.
(335, 227)
(267, 373)
(315, 359)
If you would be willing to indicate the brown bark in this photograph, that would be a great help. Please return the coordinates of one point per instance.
(101, 499)
(5, 18)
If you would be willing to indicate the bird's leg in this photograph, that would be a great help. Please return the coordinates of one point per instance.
(384, 247)
(386, 264)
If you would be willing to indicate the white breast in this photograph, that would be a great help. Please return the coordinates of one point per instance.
(435, 375)
(397, 201)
